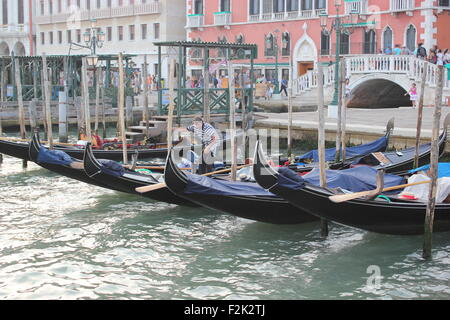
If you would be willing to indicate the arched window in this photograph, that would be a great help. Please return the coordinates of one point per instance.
(269, 46)
(324, 43)
(285, 44)
(387, 38)
(369, 41)
(411, 38)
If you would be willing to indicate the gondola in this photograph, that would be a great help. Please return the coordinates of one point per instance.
(20, 149)
(261, 206)
(352, 154)
(395, 216)
(75, 171)
(127, 180)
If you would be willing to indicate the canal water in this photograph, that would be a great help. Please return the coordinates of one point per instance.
(63, 239)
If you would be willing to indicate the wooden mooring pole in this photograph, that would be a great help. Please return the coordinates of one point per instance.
(47, 98)
(85, 99)
(289, 128)
(18, 79)
(321, 141)
(339, 119)
(344, 111)
(434, 160)
(121, 106)
(172, 68)
(420, 112)
(145, 113)
(231, 90)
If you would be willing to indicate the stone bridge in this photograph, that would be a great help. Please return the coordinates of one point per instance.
(376, 81)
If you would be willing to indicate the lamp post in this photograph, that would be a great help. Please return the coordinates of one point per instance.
(93, 39)
(275, 48)
(340, 28)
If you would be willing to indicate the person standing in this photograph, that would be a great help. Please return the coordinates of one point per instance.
(284, 85)
(412, 95)
(209, 138)
(421, 52)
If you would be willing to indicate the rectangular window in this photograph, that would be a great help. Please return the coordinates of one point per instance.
(68, 3)
(321, 4)
(59, 37)
(307, 4)
(59, 6)
(156, 30)
(42, 8)
(79, 3)
(78, 35)
(225, 6)
(50, 6)
(198, 6)
(5, 12)
(88, 4)
(50, 35)
(120, 3)
(131, 32)
(69, 36)
(20, 14)
(42, 38)
(109, 3)
(291, 5)
(99, 4)
(278, 5)
(254, 7)
(120, 32)
(144, 31)
(109, 33)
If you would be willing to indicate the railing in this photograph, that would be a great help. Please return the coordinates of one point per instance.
(401, 5)
(14, 28)
(104, 13)
(195, 20)
(408, 65)
(298, 14)
(356, 5)
(222, 18)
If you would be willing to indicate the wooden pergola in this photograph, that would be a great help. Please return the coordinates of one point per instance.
(205, 100)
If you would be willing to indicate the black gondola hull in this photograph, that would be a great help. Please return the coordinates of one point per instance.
(129, 183)
(263, 209)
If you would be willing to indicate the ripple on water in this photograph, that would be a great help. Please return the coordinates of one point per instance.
(63, 239)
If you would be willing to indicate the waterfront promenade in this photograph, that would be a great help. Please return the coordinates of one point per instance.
(362, 124)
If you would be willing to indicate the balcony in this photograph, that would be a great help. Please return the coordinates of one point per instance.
(104, 13)
(356, 5)
(11, 31)
(222, 18)
(195, 20)
(401, 5)
(288, 15)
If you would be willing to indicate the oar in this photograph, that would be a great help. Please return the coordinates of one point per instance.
(162, 185)
(350, 196)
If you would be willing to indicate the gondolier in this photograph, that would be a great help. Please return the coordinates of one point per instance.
(209, 138)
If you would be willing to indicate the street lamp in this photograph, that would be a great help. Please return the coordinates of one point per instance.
(339, 27)
(275, 49)
(92, 39)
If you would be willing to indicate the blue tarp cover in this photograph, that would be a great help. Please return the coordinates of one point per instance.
(205, 185)
(53, 156)
(354, 179)
(111, 167)
(443, 169)
(330, 153)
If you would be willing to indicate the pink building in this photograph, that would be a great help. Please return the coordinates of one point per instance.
(295, 26)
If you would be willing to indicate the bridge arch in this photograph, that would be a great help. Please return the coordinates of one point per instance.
(378, 91)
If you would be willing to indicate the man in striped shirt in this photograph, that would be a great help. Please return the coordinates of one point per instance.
(209, 138)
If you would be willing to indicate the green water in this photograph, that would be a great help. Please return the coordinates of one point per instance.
(63, 239)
